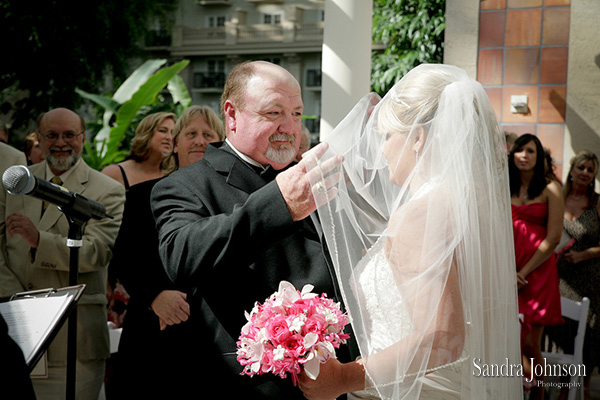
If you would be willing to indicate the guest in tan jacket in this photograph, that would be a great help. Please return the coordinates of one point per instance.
(37, 255)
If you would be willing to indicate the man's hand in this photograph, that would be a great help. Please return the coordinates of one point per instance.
(575, 257)
(295, 182)
(18, 224)
(171, 307)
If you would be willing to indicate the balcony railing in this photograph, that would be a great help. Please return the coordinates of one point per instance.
(213, 2)
(265, 1)
(232, 34)
(309, 31)
(203, 35)
(260, 33)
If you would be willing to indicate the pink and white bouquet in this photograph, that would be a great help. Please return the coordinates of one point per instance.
(289, 331)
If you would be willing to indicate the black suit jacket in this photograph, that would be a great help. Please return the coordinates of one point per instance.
(227, 237)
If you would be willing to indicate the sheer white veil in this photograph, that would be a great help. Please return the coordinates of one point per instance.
(421, 238)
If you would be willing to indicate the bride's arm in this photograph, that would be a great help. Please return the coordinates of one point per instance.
(426, 275)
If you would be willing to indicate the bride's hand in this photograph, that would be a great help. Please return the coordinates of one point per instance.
(326, 386)
(334, 379)
(521, 281)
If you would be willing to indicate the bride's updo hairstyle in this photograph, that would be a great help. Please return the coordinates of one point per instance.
(414, 103)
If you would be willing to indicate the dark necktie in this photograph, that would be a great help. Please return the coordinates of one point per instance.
(56, 180)
(268, 174)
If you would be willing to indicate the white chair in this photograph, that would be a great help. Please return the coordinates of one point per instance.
(577, 311)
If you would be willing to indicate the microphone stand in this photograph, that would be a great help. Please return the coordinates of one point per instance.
(74, 242)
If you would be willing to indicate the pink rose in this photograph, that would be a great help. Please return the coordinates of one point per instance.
(295, 345)
(301, 306)
(315, 324)
(278, 330)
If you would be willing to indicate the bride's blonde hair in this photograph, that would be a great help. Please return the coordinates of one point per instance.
(417, 102)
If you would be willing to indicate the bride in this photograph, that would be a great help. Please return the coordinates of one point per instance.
(420, 236)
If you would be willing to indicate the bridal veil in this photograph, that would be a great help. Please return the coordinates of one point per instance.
(420, 235)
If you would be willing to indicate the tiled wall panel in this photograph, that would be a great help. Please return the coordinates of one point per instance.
(523, 50)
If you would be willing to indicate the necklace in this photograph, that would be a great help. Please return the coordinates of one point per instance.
(576, 198)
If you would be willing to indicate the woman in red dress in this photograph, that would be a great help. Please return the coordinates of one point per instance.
(537, 210)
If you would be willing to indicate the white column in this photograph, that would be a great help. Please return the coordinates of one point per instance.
(346, 59)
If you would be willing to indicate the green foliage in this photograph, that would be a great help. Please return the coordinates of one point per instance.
(412, 33)
(55, 46)
(136, 98)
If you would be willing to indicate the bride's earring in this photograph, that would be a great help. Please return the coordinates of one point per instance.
(417, 160)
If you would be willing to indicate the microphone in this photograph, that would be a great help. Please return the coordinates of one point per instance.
(18, 180)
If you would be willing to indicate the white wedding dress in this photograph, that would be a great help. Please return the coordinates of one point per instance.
(384, 309)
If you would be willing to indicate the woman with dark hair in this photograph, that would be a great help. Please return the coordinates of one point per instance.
(537, 210)
(149, 154)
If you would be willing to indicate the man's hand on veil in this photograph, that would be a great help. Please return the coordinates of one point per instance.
(374, 99)
(298, 182)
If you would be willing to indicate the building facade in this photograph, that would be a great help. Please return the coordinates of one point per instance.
(215, 35)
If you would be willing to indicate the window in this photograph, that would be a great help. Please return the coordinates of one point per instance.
(273, 18)
(216, 66)
(216, 21)
(313, 77)
(214, 77)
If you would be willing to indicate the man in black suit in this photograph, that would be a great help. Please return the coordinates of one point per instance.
(231, 227)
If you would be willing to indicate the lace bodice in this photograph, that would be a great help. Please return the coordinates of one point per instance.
(386, 316)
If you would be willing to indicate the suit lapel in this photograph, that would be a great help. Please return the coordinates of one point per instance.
(238, 173)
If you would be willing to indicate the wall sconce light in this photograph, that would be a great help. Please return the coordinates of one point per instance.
(518, 104)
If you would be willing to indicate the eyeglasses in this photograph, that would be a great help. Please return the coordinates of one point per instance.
(67, 137)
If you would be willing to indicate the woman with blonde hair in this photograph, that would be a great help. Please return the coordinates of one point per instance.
(148, 158)
(195, 129)
(579, 265)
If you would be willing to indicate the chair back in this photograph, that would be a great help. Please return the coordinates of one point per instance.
(577, 311)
